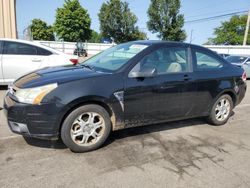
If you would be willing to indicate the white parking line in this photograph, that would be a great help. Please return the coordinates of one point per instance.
(10, 137)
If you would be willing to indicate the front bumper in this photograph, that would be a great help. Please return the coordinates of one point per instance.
(38, 121)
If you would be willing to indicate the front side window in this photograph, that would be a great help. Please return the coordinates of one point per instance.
(15, 48)
(114, 58)
(165, 60)
(205, 61)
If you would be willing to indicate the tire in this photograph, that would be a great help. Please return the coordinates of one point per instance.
(86, 128)
(215, 118)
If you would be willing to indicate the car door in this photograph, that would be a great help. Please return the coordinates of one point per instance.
(168, 95)
(18, 59)
(1, 70)
(208, 70)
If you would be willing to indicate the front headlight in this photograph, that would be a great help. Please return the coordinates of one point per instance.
(34, 95)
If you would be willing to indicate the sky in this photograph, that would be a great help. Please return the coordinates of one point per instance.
(192, 10)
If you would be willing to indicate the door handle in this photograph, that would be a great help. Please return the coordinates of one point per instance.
(186, 77)
(166, 87)
(36, 60)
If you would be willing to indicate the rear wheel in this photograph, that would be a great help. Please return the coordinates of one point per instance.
(221, 110)
(86, 128)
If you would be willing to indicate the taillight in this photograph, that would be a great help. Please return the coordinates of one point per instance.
(74, 61)
(244, 76)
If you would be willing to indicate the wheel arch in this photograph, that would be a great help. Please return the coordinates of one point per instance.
(232, 95)
(210, 117)
(85, 101)
(229, 92)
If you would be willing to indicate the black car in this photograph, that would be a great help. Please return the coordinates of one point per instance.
(132, 84)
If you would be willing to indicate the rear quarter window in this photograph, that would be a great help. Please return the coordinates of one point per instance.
(43, 52)
(206, 61)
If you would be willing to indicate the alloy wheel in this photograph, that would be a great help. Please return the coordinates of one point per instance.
(222, 110)
(87, 129)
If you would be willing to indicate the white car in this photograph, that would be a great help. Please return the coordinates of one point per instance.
(18, 57)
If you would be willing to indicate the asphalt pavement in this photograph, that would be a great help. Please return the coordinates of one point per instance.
(187, 153)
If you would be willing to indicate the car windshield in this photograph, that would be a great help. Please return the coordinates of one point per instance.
(114, 58)
(236, 59)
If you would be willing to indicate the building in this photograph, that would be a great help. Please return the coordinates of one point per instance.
(8, 28)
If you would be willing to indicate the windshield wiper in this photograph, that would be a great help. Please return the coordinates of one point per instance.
(86, 66)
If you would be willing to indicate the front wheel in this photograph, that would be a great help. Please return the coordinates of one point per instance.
(86, 128)
(221, 110)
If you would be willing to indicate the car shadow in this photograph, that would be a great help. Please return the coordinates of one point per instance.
(3, 87)
(121, 134)
(125, 133)
(53, 144)
(143, 130)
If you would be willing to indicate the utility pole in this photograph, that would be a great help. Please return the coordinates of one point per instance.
(247, 28)
(191, 36)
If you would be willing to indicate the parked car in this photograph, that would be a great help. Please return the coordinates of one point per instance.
(242, 61)
(107, 40)
(131, 84)
(80, 50)
(224, 55)
(18, 57)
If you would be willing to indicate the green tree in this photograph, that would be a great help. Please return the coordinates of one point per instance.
(138, 35)
(117, 21)
(95, 37)
(41, 31)
(165, 20)
(231, 32)
(72, 22)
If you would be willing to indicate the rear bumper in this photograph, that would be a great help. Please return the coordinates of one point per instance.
(241, 93)
(37, 121)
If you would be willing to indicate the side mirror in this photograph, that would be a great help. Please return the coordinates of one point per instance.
(248, 62)
(144, 73)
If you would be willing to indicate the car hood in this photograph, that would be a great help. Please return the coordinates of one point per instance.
(57, 75)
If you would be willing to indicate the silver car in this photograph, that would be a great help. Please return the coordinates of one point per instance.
(242, 61)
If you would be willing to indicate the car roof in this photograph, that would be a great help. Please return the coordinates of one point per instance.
(35, 43)
(236, 55)
(156, 42)
(149, 42)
